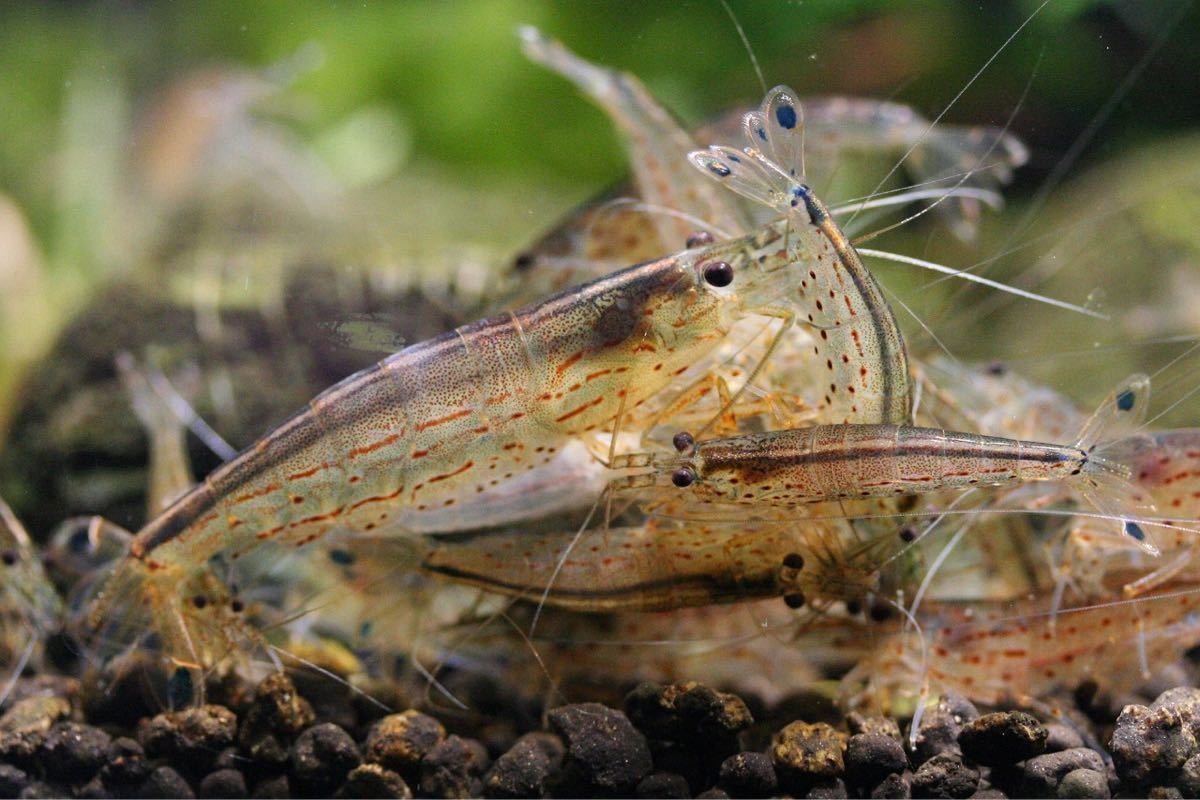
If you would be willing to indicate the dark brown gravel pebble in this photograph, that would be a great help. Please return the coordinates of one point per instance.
(1083, 783)
(166, 783)
(1189, 777)
(273, 788)
(527, 768)
(663, 784)
(399, 741)
(276, 714)
(748, 774)
(374, 781)
(886, 726)
(893, 787)
(41, 789)
(1061, 737)
(74, 752)
(321, 757)
(1164, 793)
(454, 768)
(223, 783)
(688, 712)
(871, 757)
(190, 738)
(34, 713)
(805, 753)
(1001, 738)
(940, 726)
(945, 775)
(1149, 745)
(827, 789)
(714, 793)
(605, 754)
(12, 780)
(124, 763)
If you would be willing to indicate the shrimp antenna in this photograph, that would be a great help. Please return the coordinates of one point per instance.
(741, 32)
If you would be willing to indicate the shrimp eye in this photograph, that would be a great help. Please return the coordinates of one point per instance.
(699, 239)
(718, 273)
(794, 600)
(237, 606)
(683, 441)
(9, 557)
(793, 561)
(199, 601)
(908, 533)
(684, 476)
(78, 543)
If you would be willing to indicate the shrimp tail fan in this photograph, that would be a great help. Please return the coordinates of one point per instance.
(1106, 481)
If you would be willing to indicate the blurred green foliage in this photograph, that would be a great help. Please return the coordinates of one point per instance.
(453, 71)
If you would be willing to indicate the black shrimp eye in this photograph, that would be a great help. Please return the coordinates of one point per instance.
(237, 606)
(200, 601)
(718, 273)
(9, 557)
(699, 239)
(908, 533)
(793, 561)
(684, 476)
(794, 600)
(683, 441)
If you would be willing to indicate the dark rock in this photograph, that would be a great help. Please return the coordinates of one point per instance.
(663, 784)
(828, 789)
(990, 793)
(454, 768)
(34, 713)
(40, 789)
(748, 774)
(940, 726)
(94, 790)
(893, 787)
(223, 783)
(881, 725)
(321, 758)
(273, 787)
(1164, 793)
(166, 782)
(1189, 777)
(1083, 783)
(74, 752)
(1002, 738)
(399, 741)
(1150, 744)
(527, 768)
(276, 714)
(374, 781)
(713, 794)
(604, 753)
(124, 763)
(871, 757)
(21, 749)
(191, 738)
(1061, 737)
(688, 712)
(12, 780)
(945, 775)
(1040, 775)
(804, 753)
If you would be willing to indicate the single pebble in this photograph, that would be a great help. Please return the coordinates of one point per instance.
(1061, 737)
(1150, 744)
(1001, 738)
(945, 775)
(374, 781)
(276, 714)
(871, 757)
(1084, 783)
(804, 753)
(399, 741)
(527, 768)
(124, 763)
(863, 724)
(166, 783)
(1189, 777)
(322, 756)
(454, 768)
(714, 793)
(893, 787)
(663, 784)
(274, 787)
(1164, 793)
(604, 752)
(223, 783)
(940, 726)
(13, 780)
(194, 736)
(74, 752)
(828, 789)
(36, 713)
(748, 774)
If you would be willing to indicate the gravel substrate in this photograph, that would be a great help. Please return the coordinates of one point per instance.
(683, 740)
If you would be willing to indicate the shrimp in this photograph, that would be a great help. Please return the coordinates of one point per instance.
(30, 608)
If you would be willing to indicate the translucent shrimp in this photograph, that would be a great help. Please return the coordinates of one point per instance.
(30, 608)
(488, 424)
